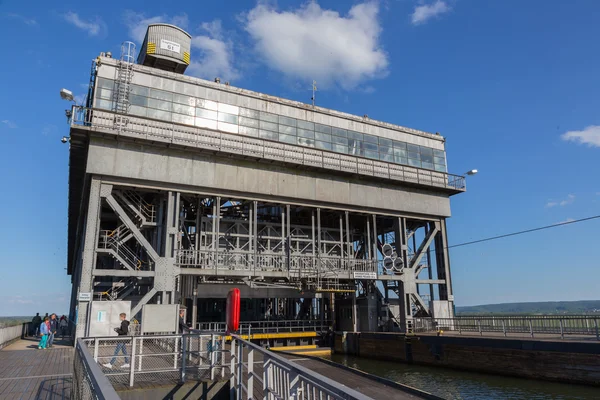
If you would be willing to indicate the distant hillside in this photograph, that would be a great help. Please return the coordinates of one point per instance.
(546, 307)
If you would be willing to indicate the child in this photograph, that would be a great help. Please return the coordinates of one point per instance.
(44, 331)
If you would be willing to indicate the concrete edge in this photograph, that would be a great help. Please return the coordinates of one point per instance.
(387, 382)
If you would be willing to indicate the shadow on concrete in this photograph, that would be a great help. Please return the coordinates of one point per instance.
(55, 389)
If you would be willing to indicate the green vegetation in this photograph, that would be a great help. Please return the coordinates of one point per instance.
(547, 307)
(11, 321)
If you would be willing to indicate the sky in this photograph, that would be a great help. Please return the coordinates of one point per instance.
(512, 85)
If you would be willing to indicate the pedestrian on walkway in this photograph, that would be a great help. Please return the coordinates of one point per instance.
(53, 329)
(44, 330)
(35, 324)
(121, 331)
(63, 326)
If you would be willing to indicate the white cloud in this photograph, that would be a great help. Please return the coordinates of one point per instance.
(214, 53)
(25, 20)
(425, 12)
(312, 43)
(590, 136)
(9, 124)
(93, 28)
(565, 202)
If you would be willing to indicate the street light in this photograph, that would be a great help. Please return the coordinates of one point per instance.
(471, 172)
(67, 95)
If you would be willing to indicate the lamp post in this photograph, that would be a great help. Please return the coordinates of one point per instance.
(471, 172)
(195, 306)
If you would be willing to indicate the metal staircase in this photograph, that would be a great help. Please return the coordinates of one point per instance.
(113, 243)
(143, 213)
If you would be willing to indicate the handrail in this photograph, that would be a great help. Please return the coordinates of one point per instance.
(269, 326)
(123, 124)
(88, 380)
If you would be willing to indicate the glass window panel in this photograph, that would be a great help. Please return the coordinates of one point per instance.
(400, 153)
(339, 148)
(105, 83)
(426, 150)
(370, 139)
(246, 112)
(414, 163)
(386, 157)
(322, 145)
(253, 123)
(339, 132)
(355, 147)
(401, 160)
(183, 109)
(265, 116)
(268, 135)
(372, 154)
(306, 142)
(159, 104)
(440, 168)
(414, 156)
(428, 158)
(399, 145)
(141, 111)
(104, 93)
(306, 125)
(288, 130)
(229, 109)
(183, 119)
(205, 123)
(159, 114)
(287, 121)
(138, 100)
(140, 90)
(427, 165)
(322, 128)
(355, 135)
(160, 95)
(268, 126)
(248, 131)
(322, 137)
(385, 150)
(229, 118)
(371, 147)
(287, 138)
(439, 153)
(339, 140)
(306, 133)
(385, 142)
(227, 127)
(182, 99)
(413, 148)
(439, 160)
(208, 104)
(202, 113)
(105, 104)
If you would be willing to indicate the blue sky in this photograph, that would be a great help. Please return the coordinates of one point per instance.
(512, 85)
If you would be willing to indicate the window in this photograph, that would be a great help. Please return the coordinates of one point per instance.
(159, 114)
(159, 104)
(372, 154)
(370, 139)
(306, 133)
(306, 142)
(322, 128)
(268, 126)
(287, 138)
(226, 108)
(246, 112)
(229, 118)
(160, 95)
(265, 116)
(268, 135)
(385, 142)
(136, 100)
(322, 137)
(183, 119)
(202, 113)
(339, 140)
(288, 130)
(207, 104)
(248, 131)
(205, 123)
(182, 99)
(414, 163)
(339, 132)
(322, 145)
(306, 125)
(253, 123)
(427, 158)
(185, 110)
(413, 148)
(140, 90)
(287, 121)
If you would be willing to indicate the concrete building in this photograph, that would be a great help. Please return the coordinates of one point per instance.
(181, 188)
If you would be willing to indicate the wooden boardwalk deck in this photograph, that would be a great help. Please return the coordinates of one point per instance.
(27, 373)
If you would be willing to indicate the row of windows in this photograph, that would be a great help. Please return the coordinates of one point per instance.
(172, 107)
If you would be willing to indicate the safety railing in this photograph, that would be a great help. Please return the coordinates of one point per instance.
(111, 240)
(269, 326)
(128, 360)
(259, 373)
(89, 383)
(295, 264)
(561, 326)
(259, 148)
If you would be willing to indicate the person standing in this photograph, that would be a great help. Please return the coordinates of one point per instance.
(63, 324)
(121, 331)
(35, 324)
(183, 328)
(44, 330)
(53, 329)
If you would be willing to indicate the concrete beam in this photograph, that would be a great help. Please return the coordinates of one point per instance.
(123, 273)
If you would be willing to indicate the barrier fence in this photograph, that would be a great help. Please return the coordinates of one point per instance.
(89, 383)
(10, 333)
(563, 326)
(270, 326)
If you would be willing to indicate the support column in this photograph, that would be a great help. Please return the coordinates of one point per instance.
(354, 322)
(255, 235)
(349, 250)
(217, 225)
(88, 263)
(444, 269)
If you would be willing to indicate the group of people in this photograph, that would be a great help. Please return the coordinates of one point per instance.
(47, 329)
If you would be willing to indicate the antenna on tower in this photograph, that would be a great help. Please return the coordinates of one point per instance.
(314, 90)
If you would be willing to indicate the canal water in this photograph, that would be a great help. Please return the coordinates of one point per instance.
(452, 384)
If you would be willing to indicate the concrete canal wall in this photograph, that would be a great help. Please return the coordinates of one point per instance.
(561, 361)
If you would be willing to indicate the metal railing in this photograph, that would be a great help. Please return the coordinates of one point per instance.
(259, 373)
(89, 383)
(555, 325)
(110, 240)
(253, 147)
(269, 326)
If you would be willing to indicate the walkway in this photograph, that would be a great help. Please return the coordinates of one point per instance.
(28, 373)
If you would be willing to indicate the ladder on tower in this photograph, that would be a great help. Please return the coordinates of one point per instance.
(123, 85)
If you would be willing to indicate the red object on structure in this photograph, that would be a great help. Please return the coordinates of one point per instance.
(233, 310)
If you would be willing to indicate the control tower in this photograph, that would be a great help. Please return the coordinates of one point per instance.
(182, 188)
